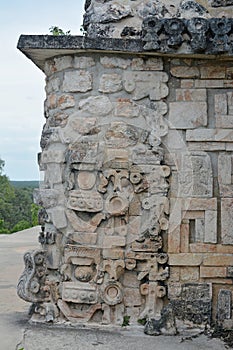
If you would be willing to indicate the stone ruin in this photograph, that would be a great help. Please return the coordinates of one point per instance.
(137, 196)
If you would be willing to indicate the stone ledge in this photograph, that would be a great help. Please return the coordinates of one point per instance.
(39, 48)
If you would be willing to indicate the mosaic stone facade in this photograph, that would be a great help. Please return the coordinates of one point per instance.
(137, 194)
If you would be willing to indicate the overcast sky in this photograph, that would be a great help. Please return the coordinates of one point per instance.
(22, 83)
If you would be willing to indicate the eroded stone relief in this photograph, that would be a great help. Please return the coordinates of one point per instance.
(104, 192)
(137, 194)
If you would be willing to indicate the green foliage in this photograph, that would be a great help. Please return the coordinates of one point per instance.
(34, 214)
(25, 184)
(82, 30)
(56, 31)
(21, 225)
(142, 321)
(7, 196)
(126, 320)
(2, 227)
(17, 211)
(2, 164)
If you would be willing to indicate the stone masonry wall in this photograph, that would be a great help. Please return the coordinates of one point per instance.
(123, 18)
(137, 191)
(199, 142)
(136, 154)
(104, 192)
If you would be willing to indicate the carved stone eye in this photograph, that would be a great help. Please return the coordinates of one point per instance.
(135, 178)
(80, 203)
(34, 287)
(39, 259)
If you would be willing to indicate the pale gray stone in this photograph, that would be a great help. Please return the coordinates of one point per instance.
(66, 101)
(220, 104)
(53, 156)
(126, 108)
(100, 105)
(144, 84)
(226, 220)
(210, 226)
(147, 64)
(53, 85)
(225, 168)
(115, 62)
(77, 81)
(224, 121)
(195, 175)
(58, 217)
(110, 12)
(62, 63)
(110, 83)
(83, 62)
(187, 115)
(204, 135)
(199, 230)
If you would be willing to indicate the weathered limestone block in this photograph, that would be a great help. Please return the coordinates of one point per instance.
(65, 101)
(53, 85)
(58, 217)
(218, 260)
(224, 305)
(225, 174)
(83, 62)
(62, 63)
(187, 115)
(111, 12)
(191, 95)
(202, 222)
(195, 176)
(226, 220)
(147, 64)
(57, 64)
(126, 108)
(83, 126)
(99, 105)
(110, 83)
(215, 135)
(185, 72)
(220, 104)
(53, 156)
(146, 84)
(210, 272)
(189, 274)
(115, 62)
(77, 81)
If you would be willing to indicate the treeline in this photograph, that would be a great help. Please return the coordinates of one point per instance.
(17, 210)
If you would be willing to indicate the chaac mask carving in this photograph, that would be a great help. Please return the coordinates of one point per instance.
(105, 200)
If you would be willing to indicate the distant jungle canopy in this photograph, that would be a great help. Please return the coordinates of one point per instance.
(17, 210)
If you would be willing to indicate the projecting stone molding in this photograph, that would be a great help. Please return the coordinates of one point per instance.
(196, 35)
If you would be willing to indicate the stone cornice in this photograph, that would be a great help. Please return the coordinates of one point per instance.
(39, 48)
(171, 37)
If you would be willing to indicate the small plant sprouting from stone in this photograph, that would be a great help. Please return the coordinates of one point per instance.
(142, 321)
(82, 30)
(125, 322)
(56, 31)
